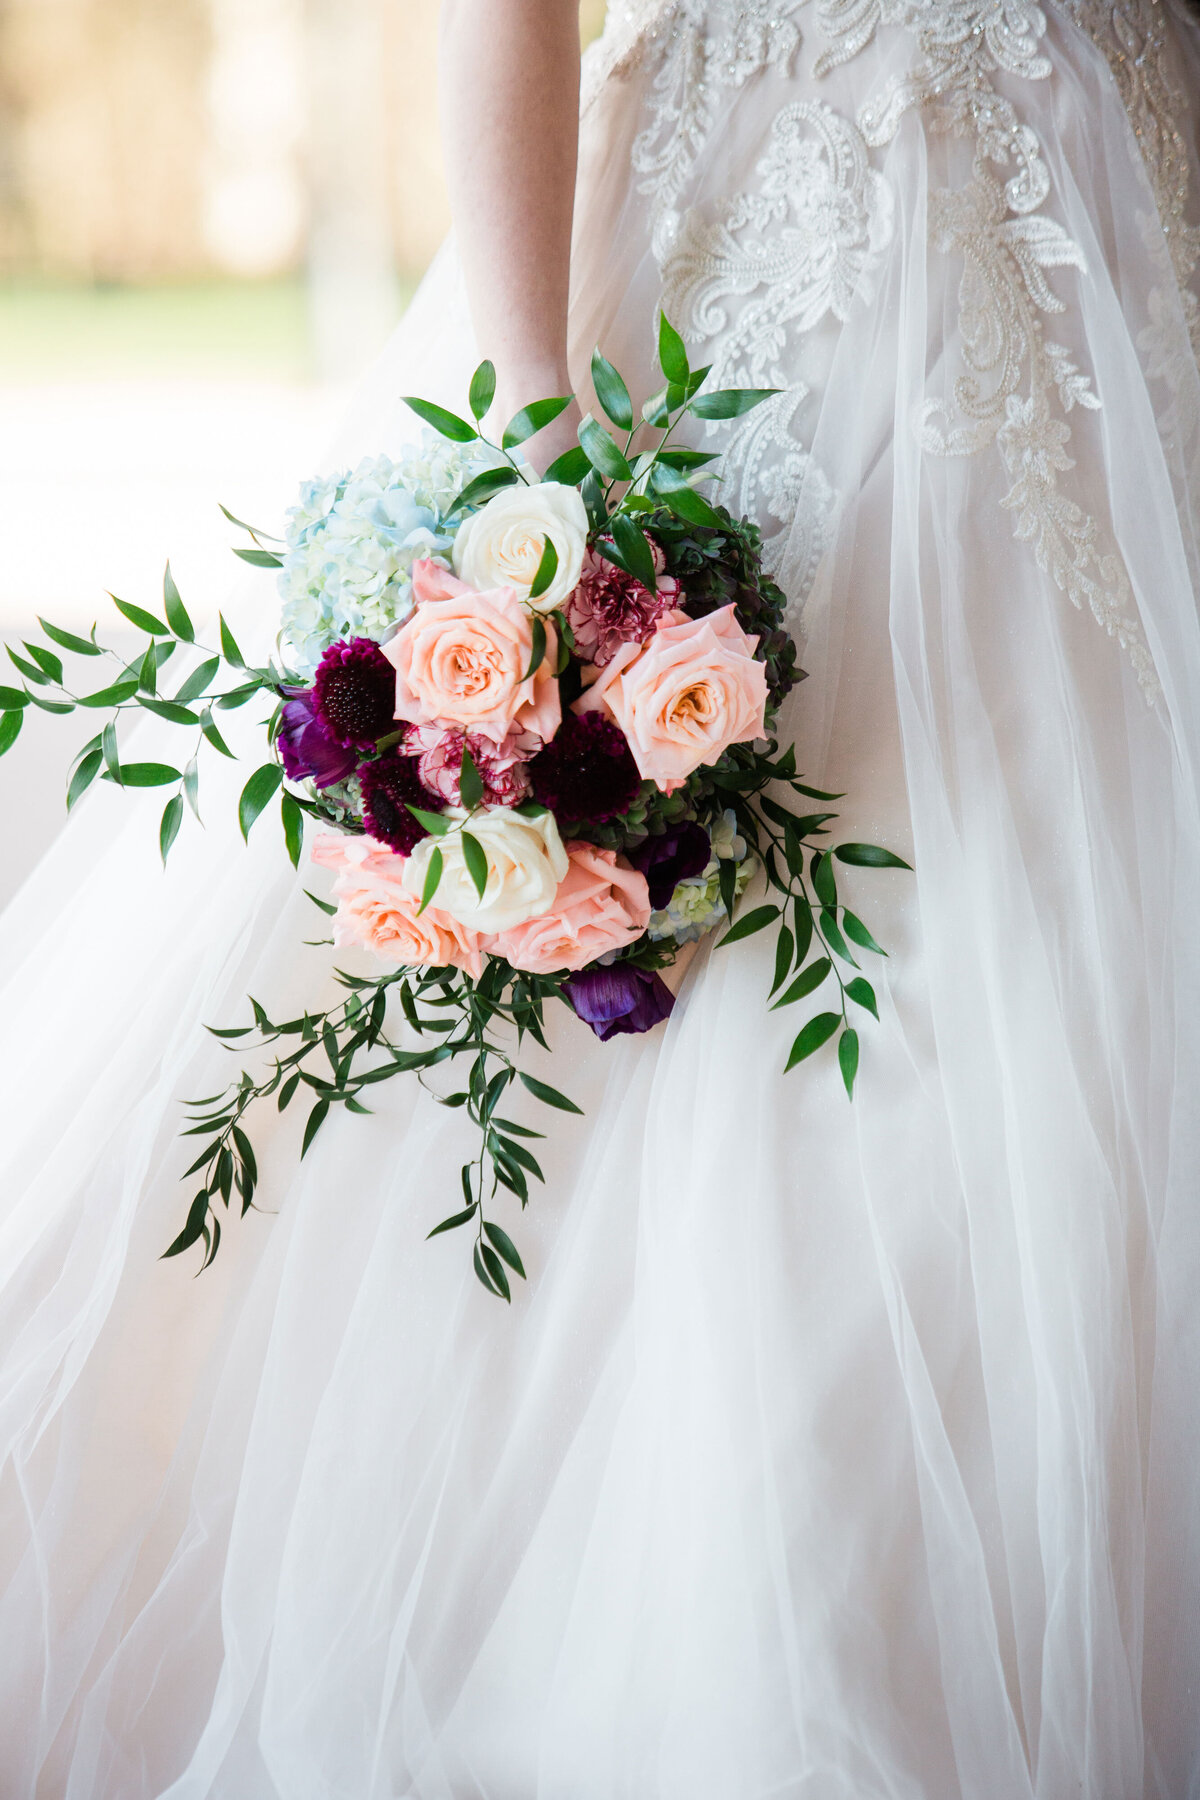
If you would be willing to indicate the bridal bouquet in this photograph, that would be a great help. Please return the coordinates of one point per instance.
(532, 719)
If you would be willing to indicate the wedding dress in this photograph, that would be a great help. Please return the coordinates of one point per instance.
(831, 1452)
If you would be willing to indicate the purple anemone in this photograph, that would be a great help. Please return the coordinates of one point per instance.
(308, 751)
(619, 999)
(681, 852)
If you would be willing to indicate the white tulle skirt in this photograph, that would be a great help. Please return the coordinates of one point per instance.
(831, 1452)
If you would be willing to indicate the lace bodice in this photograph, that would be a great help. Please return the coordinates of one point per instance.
(747, 275)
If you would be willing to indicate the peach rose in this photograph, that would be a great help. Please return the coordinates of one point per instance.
(601, 905)
(684, 696)
(377, 913)
(461, 656)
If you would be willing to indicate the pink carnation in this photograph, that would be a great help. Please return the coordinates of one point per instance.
(376, 912)
(439, 750)
(610, 608)
(601, 905)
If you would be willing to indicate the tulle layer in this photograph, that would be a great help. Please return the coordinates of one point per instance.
(829, 1451)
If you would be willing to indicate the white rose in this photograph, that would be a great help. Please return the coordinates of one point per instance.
(525, 858)
(501, 545)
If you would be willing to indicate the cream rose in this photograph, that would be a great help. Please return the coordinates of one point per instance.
(501, 545)
(376, 912)
(601, 905)
(684, 696)
(526, 861)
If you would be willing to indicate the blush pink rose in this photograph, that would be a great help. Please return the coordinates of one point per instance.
(461, 656)
(601, 905)
(684, 696)
(375, 912)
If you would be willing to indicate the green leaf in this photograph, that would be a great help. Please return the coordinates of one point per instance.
(569, 468)
(519, 1154)
(672, 352)
(655, 410)
(147, 774)
(259, 559)
(195, 684)
(749, 923)
(823, 879)
(482, 487)
(496, 1270)
(168, 829)
(729, 403)
(29, 670)
(532, 419)
(229, 648)
(483, 389)
(833, 936)
(316, 1119)
(602, 452)
(784, 946)
(293, 828)
(544, 574)
(547, 1095)
(447, 423)
(252, 529)
(537, 651)
(454, 1221)
(213, 736)
(848, 1058)
(687, 504)
(802, 921)
(470, 782)
(85, 773)
(148, 673)
(325, 905)
(13, 699)
(115, 695)
(10, 727)
(506, 1247)
(813, 793)
(137, 615)
(860, 990)
(806, 982)
(108, 743)
(854, 929)
(51, 706)
(260, 788)
(611, 392)
(435, 824)
(194, 1229)
(476, 860)
(176, 611)
(67, 640)
(238, 696)
(483, 1275)
(433, 876)
(169, 710)
(818, 1031)
(637, 558)
(869, 856)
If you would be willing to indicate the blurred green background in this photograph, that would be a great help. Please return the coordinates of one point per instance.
(212, 214)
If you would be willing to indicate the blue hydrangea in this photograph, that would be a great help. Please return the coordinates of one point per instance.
(696, 906)
(352, 540)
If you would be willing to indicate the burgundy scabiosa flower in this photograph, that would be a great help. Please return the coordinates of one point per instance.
(390, 785)
(308, 751)
(354, 693)
(610, 608)
(619, 999)
(680, 853)
(586, 771)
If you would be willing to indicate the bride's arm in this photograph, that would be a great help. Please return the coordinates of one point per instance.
(510, 117)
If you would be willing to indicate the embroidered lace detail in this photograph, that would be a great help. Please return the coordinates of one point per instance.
(1132, 35)
(755, 276)
(1013, 377)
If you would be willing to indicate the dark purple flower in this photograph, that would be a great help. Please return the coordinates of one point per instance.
(308, 751)
(354, 693)
(681, 852)
(586, 771)
(390, 785)
(619, 999)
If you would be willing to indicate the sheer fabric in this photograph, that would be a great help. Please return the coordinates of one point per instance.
(831, 1453)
